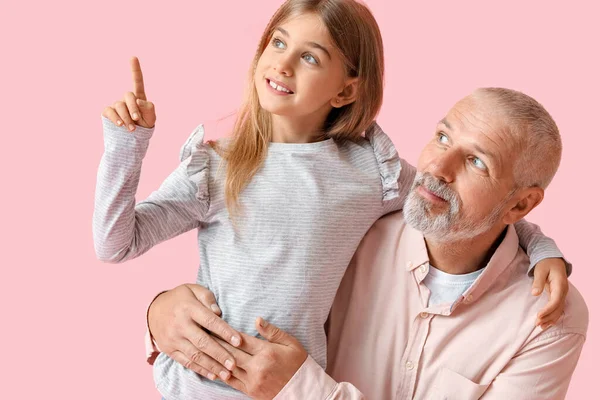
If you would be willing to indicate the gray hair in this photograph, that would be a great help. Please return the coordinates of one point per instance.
(538, 137)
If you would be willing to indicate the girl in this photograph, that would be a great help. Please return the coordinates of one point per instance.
(301, 186)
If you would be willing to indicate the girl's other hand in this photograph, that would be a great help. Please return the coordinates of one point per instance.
(551, 273)
(134, 108)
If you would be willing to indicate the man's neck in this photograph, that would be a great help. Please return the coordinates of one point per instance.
(466, 256)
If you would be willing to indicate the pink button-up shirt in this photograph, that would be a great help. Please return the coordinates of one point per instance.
(384, 342)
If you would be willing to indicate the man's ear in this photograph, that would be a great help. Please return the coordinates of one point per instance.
(347, 95)
(527, 200)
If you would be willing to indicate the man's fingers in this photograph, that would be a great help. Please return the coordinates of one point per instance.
(205, 297)
(187, 363)
(203, 360)
(138, 79)
(272, 333)
(540, 276)
(205, 343)
(237, 384)
(241, 357)
(208, 320)
(251, 344)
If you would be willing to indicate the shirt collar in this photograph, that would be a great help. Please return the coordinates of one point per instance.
(502, 258)
(414, 242)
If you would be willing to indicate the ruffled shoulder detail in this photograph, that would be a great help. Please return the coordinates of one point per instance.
(388, 160)
(195, 155)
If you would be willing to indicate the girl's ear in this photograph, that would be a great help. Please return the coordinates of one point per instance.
(347, 95)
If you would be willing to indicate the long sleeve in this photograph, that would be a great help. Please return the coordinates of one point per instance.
(541, 370)
(312, 382)
(397, 175)
(405, 182)
(123, 229)
(537, 245)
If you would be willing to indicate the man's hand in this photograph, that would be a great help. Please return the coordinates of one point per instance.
(264, 368)
(551, 273)
(175, 320)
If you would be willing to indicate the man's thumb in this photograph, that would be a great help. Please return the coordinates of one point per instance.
(272, 333)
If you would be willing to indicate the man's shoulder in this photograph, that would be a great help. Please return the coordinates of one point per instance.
(575, 316)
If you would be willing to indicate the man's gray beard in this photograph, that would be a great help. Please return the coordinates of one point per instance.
(448, 226)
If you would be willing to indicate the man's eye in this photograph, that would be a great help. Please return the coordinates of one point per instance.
(442, 138)
(476, 161)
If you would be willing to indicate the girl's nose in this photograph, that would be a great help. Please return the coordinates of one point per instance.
(283, 66)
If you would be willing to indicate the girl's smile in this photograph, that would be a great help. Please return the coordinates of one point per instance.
(279, 88)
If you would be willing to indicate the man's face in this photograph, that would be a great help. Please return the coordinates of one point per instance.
(464, 184)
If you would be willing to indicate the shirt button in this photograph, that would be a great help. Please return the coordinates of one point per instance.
(409, 365)
(424, 315)
(409, 264)
(423, 268)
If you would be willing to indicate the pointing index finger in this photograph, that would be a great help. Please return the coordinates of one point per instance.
(138, 79)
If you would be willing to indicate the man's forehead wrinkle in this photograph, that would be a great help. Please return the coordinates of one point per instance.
(498, 155)
(473, 118)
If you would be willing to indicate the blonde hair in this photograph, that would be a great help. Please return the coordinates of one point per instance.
(537, 135)
(356, 36)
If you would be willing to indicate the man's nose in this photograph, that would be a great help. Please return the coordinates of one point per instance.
(445, 165)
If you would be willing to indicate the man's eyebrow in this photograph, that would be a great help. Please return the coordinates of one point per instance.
(311, 44)
(485, 153)
(444, 121)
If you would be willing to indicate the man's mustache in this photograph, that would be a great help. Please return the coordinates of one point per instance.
(435, 186)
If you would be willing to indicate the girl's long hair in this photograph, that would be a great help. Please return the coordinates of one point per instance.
(356, 35)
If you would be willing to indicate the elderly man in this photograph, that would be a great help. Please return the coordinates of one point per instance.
(435, 304)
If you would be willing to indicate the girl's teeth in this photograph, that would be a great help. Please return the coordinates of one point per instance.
(277, 87)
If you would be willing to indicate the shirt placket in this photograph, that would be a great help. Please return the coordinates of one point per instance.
(411, 360)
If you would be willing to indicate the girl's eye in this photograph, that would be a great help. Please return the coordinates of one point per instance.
(442, 138)
(278, 43)
(310, 59)
(477, 163)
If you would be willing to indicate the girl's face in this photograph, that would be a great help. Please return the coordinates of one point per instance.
(300, 73)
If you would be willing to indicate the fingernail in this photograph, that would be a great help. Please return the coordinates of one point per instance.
(224, 375)
(215, 308)
(119, 122)
(212, 376)
(262, 322)
(229, 365)
(135, 116)
(236, 341)
(535, 291)
(131, 127)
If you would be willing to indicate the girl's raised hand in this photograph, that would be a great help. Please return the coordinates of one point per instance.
(134, 108)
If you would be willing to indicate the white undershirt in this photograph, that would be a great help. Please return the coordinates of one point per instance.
(447, 288)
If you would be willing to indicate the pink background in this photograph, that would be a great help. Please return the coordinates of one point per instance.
(72, 326)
